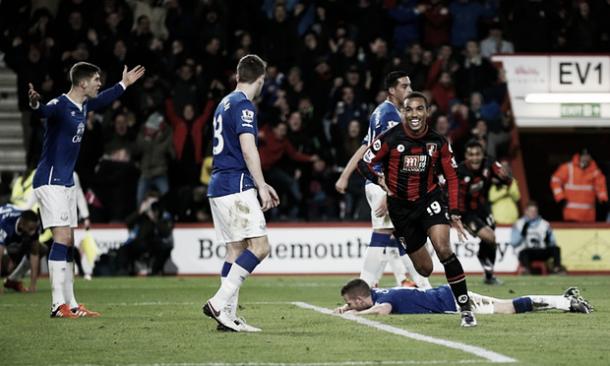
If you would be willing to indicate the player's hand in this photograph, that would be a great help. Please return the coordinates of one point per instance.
(130, 77)
(269, 198)
(382, 209)
(456, 223)
(87, 224)
(341, 185)
(341, 309)
(33, 96)
(381, 182)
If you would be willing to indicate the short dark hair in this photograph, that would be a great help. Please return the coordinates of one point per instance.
(357, 287)
(532, 203)
(81, 71)
(420, 95)
(391, 79)
(250, 68)
(29, 216)
(473, 143)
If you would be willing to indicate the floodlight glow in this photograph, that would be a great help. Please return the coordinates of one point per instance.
(568, 98)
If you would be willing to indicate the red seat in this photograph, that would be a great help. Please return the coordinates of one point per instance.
(539, 265)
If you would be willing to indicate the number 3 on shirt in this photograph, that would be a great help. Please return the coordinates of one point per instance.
(218, 135)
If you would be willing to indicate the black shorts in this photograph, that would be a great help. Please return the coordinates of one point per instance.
(411, 220)
(475, 221)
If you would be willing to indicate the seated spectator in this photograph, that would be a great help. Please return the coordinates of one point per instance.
(150, 239)
(534, 237)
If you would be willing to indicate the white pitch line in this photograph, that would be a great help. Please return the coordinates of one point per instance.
(477, 351)
(339, 363)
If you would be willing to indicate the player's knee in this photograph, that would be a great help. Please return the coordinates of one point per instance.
(260, 247)
(424, 269)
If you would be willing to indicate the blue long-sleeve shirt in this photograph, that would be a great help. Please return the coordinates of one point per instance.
(64, 127)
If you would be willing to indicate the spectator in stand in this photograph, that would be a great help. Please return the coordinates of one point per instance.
(576, 184)
(466, 15)
(443, 92)
(504, 199)
(530, 24)
(584, 30)
(273, 145)
(119, 137)
(321, 204)
(155, 148)
(494, 43)
(188, 139)
(476, 73)
(406, 15)
(437, 24)
(536, 236)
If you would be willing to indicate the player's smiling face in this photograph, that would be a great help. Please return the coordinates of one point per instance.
(92, 85)
(474, 157)
(416, 113)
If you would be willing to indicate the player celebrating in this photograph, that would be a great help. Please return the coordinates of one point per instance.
(54, 188)
(476, 174)
(361, 299)
(18, 234)
(412, 155)
(236, 178)
(384, 117)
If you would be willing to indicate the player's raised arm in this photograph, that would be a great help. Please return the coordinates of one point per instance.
(45, 110)
(111, 94)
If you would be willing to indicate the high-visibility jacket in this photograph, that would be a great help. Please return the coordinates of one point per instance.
(579, 187)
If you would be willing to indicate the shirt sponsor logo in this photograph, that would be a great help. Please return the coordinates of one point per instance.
(414, 163)
(431, 149)
(247, 116)
(80, 130)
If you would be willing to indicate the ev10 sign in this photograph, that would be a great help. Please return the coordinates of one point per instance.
(579, 74)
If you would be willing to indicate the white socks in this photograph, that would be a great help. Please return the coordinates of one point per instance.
(375, 261)
(57, 273)
(229, 286)
(550, 302)
(69, 286)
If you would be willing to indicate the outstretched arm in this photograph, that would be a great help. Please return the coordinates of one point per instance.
(45, 110)
(109, 95)
(352, 164)
(379, 309)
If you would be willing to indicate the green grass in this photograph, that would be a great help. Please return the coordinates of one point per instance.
(158, 320)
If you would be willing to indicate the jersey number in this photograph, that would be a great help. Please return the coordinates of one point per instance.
(220, 144)
(434, 208)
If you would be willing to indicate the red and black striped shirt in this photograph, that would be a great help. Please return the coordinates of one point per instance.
(411, 164)
(475, 184)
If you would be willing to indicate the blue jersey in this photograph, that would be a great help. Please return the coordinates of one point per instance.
(384, 117)
(9, 215)
(416, 301)
(234, 115)
(64, 127)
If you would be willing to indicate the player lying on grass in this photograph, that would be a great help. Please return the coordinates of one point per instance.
(361, 299)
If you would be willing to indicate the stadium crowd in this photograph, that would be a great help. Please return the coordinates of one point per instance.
(327, 61)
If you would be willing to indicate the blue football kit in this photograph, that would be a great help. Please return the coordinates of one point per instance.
(234, 115)
(416, 301)
(64, 127)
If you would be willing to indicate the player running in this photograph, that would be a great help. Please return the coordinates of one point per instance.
(64, 126)
(236, 179)
(382, 245)
(476, 174)
(412, 155)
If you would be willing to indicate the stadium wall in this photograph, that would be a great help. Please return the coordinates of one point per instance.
(339, 248)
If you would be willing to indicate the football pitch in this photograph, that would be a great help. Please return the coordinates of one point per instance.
(158, 321)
